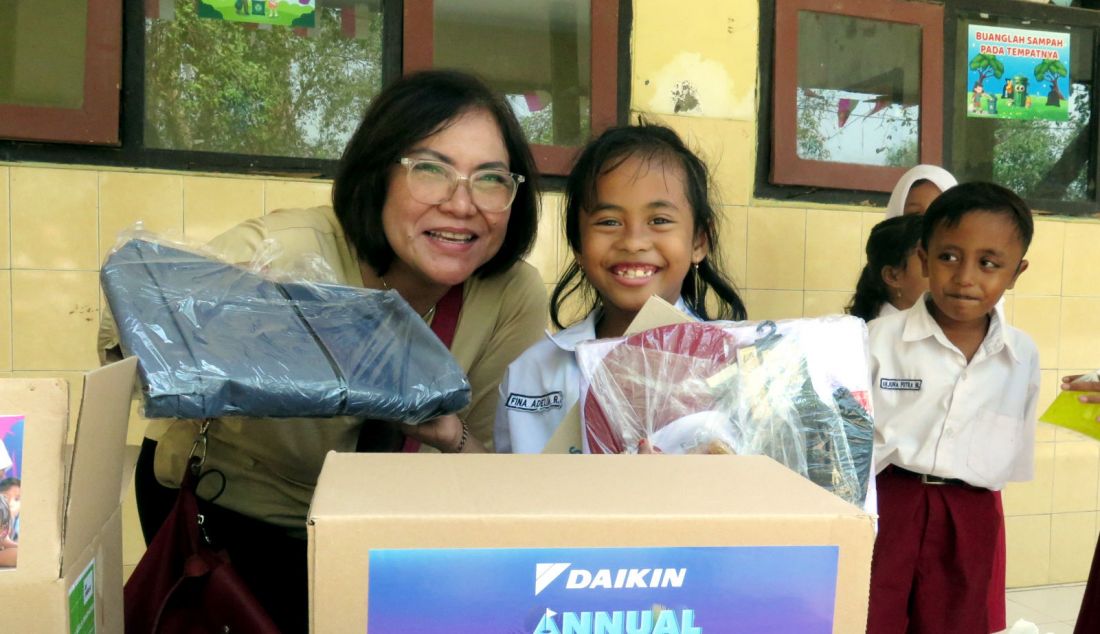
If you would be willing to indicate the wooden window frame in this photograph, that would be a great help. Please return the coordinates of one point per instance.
(97, 120)
(418, 54)
(786, 166)
(1082, 17)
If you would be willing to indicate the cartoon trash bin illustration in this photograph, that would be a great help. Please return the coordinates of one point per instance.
(1019, 92)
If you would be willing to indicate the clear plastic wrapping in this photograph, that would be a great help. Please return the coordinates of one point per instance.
(215, 339)
(795, 390)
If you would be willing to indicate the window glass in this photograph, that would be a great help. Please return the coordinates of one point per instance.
(42, 52)
(858, 91)
(1041, 157)
(535, 52)
(229, 76)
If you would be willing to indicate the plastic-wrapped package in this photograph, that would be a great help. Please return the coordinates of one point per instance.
(795, 390)
(215, 339)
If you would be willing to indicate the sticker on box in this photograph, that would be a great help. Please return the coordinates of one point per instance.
(11, 488)
(676, 590)
(82, 602)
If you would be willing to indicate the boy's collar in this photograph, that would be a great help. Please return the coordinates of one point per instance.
(919, 324)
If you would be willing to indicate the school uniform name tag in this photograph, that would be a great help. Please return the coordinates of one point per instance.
(911, 385)
(540, 403)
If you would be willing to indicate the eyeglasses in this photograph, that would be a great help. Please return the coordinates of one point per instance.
(434, 182)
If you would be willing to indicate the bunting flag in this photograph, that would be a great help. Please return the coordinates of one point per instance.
(880, 103)
(534, 102)
(844, 109)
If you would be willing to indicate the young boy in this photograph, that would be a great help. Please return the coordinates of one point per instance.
(955, 391)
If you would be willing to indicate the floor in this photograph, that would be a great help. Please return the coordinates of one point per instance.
(1052, 608)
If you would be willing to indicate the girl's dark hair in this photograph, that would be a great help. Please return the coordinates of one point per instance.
(406, 112)
(950, 207)
(649, 142)
(890, 243)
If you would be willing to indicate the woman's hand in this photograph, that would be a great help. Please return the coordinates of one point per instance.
(1083, 386)
(447, 433)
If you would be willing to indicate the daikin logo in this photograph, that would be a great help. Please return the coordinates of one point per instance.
(545, 575)
(606, 578)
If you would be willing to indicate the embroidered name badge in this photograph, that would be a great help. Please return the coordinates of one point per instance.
(912, 385)
(526, 403)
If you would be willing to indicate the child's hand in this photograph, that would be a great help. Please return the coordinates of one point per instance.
(1091, 385)
(1082, 386)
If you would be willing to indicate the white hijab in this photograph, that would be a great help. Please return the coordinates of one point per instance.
(937, 175)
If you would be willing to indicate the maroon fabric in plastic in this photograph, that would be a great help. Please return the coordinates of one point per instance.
(631, 366)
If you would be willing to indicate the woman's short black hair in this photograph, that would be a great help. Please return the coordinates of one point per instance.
(949, 208)
(406, 112)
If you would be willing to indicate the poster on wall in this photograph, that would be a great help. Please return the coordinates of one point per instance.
(11, 488)
(296, 13)
(1017, 74)
(674, 590)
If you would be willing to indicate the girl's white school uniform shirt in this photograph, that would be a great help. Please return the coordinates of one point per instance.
(939, 415)
(541, 386)
(886, 309)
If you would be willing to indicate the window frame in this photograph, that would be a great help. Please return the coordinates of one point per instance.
(605, 69)
(786, 167)
(1076, 16)
(131, 151)
(128, 151)
(96, 120)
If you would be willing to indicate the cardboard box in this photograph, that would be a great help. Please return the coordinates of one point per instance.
(590, 543)
(68, 577)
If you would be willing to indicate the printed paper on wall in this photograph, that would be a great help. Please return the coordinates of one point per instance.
(1017, 74)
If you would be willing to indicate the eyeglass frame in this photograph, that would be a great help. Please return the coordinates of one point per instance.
(408, 162)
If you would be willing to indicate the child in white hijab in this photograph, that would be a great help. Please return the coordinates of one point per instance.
(917, 188)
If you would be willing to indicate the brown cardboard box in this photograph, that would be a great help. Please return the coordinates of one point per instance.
(412, 522)
(71, 534)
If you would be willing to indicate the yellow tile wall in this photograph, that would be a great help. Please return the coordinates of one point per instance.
(56, 223)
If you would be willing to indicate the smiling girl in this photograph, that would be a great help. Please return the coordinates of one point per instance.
(640, 222)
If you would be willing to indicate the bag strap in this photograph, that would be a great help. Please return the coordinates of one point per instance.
(443, 325)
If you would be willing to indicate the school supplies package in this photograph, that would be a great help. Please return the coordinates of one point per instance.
(795, 390)
(215, 339)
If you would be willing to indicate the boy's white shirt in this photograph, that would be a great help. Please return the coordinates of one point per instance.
(541, 386)
(5, 458)
(936, 414)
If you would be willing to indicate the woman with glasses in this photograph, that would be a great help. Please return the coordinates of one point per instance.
(435, 198)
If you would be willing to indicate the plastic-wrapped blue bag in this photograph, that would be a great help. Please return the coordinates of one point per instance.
(214, 339)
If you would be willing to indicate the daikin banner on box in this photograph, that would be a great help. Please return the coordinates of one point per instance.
(688, 590)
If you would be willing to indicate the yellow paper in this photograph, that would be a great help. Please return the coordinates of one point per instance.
(1066, 411)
